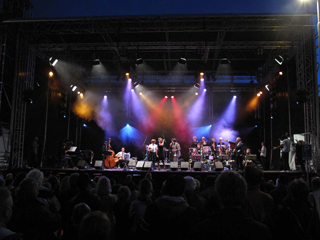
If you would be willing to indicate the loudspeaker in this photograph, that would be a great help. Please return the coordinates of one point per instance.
(99, 164)
(147, 165)
(197, 166)
(218, 166)
(139, 165)
(174, 166)
(82, 164)
(132, 163)
(184, 166)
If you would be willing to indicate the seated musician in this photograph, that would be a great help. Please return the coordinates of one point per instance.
(120, 156)
(221, 144)
(194, 142)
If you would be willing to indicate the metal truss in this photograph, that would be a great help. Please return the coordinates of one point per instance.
(23, 82)
(306, 82)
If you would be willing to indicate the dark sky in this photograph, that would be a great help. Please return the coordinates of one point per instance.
(89, 8)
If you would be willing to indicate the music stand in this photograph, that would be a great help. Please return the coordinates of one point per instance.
(196, 157)
(223, 157)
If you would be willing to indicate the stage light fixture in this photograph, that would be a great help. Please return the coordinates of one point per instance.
(234, 96)
(53, 61)
(267, 87)
(166, 96)
(255, 126)
(140, 93)
(50, 74)
(279, 59)
(84, 125)
(196, 94)
(105, 96)
(258, 94)
(78, 92)
(202, 79)
(128, 125)
(81, 95)
(139, 61)
(96, 60)
(201, 74)
(127, 74)
(182, 61)
(205, 89)
(280, 73)
(224, 61)
(132, 90)
(135, 84)
(129, 79)
(197, 85)
(74, 88)
(172, 96)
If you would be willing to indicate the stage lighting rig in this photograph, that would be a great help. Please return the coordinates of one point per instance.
(225, 61)
(96, 60)
(197, 85)
(182, 61)
(279, 59)
(135, 84)
(139, 61)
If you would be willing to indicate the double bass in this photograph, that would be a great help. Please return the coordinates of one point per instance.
(109, 162)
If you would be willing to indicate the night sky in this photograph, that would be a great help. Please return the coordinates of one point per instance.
(95, 8)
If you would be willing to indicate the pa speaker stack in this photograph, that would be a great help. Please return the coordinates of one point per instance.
(184, 166)
(99, 164)
(174, 166)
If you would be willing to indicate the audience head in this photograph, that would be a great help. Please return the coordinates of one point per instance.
(9, 180)
(83, 181)
(231, 189)
(79, 212)
(28, 189)
(145, 187)
(174, 185)
(36, 175)
(95, 225)
(5, 205)
(64, 183)
(252, 175)
(283, 179)
(55, 183)
(18, 179)
(103, 186)
(315, 183)
(73, 180)
(191, 185)
(124, 193)
(298, 190)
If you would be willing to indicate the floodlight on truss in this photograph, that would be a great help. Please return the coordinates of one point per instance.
(53, 61)
(279, 59)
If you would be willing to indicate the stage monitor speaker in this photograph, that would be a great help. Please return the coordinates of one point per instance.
(139, 165)
(147, 165)
(174, 166)
(184, 166)
(218, 166)
(99, 164)
(197, 166)
(82, 164)
(132, 163)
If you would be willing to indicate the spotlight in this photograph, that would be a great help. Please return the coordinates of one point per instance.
(74, 88)
(182, 61)
(132, 90)
(166, 96)
(172, 96)
(202, 79)
(197, 85)
(258, 94)
(279, 59)
(127, 74)
(224, 61)
(135, 84)
(78, 92)
(139, 61)
(205, 89)
(271, 117)
(105, 96)
(128, 125)
(196, 94)
(267, 87)
(210, 125)
(140, 93)
(201, 74)
(255, 126)
(53, 61)
(234, 96)
(280, 73)
(84, 125)
(96, 60)
(129, 79)
(81, 95)
(50, 74)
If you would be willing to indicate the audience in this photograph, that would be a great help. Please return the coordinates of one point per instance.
(229, 206)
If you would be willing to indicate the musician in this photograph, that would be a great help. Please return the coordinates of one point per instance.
(175, 150)
(213, 144)
(161, 151)
(285, 149)
(221, 144)
(203, 142)
(194, 142)
(263, 155)
(153, 152)
(239, 150)
(120, 154)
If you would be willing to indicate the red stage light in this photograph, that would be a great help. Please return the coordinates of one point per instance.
(172, 96)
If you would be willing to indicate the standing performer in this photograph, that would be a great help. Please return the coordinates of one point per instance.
(239, 151)
(263, 155)
(203, 142)
(285, 149)
(175, 150)
(160, 152)
(153, 152)
(213, 144)
(194, 142)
